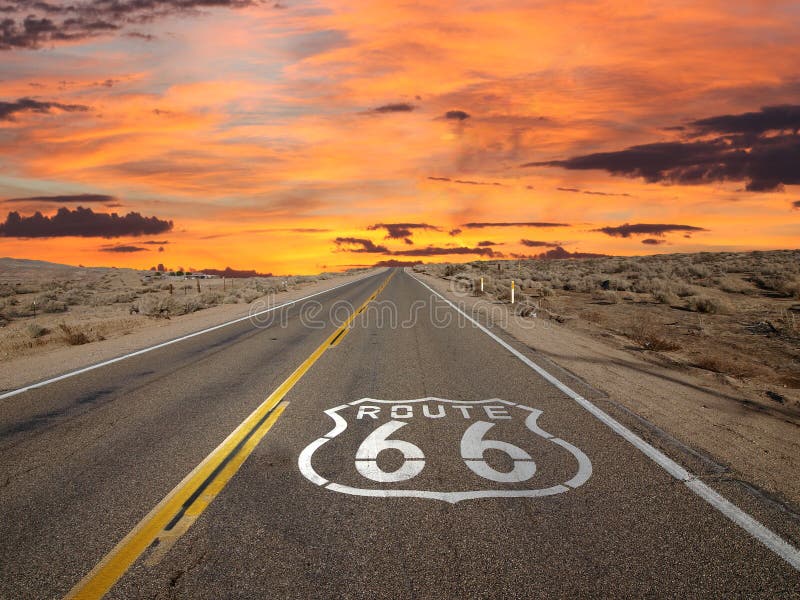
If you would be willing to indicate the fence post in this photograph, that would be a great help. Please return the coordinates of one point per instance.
(481, 284)
(512, 291)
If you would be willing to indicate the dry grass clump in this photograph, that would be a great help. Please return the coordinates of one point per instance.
(36, 331)
(73, 336)
(725, 365)
(709, 305)
(650, 335)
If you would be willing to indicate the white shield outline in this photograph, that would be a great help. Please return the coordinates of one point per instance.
(304, 460)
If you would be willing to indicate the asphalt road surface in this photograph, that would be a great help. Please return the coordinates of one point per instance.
(403, 454)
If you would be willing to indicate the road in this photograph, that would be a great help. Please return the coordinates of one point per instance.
(445, 466)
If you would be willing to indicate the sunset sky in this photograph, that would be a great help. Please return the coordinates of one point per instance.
(295, 137)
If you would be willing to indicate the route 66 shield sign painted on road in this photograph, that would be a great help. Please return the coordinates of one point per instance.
(448, 450)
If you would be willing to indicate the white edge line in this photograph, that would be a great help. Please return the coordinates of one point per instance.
(761, 533)
(111, 361)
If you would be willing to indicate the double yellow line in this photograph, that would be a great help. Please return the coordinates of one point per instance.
(185, 503)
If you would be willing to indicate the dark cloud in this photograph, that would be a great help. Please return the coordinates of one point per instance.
(439, 251)
(770, 118)
(761, 148)
(557, 253)
(155, 242)
(65, 198)
(590, 192)
(454, 232)
(796, 204)
(472, 182)
(8, 110)
(81, 222)
(657, 229)
(123, 249)
(513, 224)
(487, 243)
(352, 244)
(32, 24)
(653, 241)
(458, 115)
(465, 181)
(401, 231)
(396, 107)
(538, 244)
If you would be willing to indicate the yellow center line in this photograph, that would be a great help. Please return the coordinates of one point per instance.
(185, 503)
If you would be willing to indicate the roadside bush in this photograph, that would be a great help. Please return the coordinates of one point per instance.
(54, 306)
(73, 336)
(190, 305)
(158, 306)
(450, 270)
(666, 296)
(249, 294)
(650, 336)
(211, 297)
(733, 285)
(606, 297)
(706, 304)
(36, 331)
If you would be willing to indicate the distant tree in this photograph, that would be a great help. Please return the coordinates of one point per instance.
(161, 268)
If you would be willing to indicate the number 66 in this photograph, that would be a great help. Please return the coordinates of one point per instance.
(473, 447)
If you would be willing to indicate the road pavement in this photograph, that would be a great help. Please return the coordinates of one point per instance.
(406, 454)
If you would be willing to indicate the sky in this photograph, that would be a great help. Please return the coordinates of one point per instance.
(296, 137)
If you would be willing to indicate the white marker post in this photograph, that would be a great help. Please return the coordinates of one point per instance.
(512, 291)
(481, 284)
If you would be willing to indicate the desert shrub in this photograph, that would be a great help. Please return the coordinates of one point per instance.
(249, 294)
(733, 285)
(158, 306)
(722, 364)
(651, 336)
(606, 297)
(190, 305)
(450, 270)
(783, 284)
(73, 336)
(230, 299)
(666, 296)
(72, 297)
(54, 306)
(699, 271)
(6, 290)
(548, 291)
(706, 304)
(685, 291)
(211, 297)
(36, 331)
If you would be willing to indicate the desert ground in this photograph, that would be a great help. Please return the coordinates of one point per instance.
(57, 317)
(736, 315)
